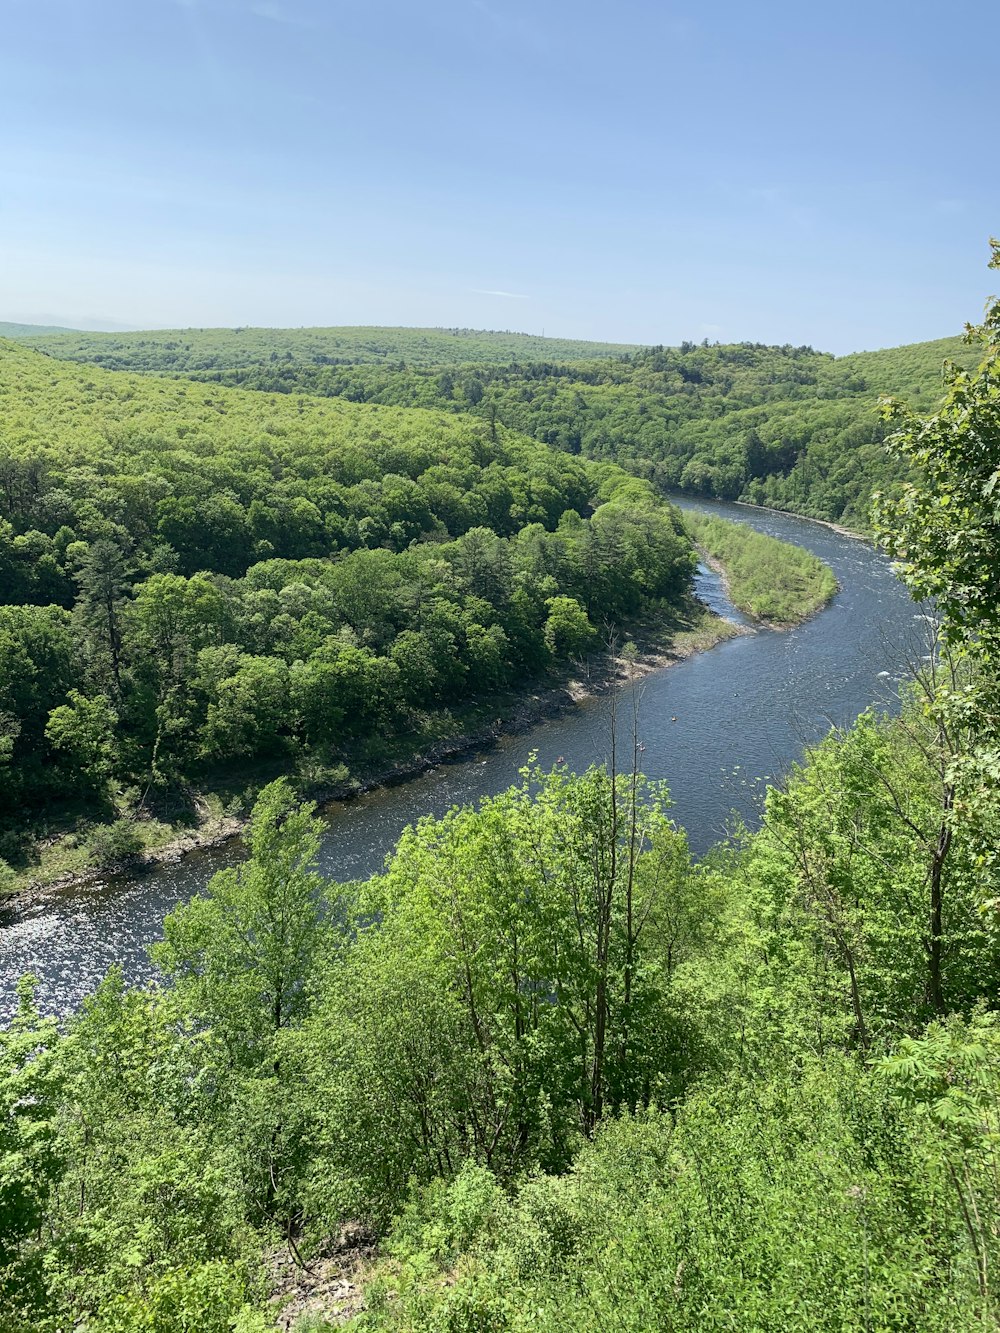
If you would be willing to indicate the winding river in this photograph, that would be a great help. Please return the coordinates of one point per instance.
(717, 727)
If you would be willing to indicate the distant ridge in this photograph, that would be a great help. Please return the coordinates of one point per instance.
(9, 330)
(182, 351)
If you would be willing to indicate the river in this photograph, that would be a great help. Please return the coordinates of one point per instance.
(717, 727)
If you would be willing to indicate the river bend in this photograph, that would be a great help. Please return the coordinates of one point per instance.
(717, 726)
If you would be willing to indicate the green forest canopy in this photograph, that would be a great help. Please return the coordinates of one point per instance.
(782, 426)
(191, 575)
(8, 330)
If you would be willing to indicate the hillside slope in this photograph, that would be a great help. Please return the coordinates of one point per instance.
(784, 426)
(194, 577)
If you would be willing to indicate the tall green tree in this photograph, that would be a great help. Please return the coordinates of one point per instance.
(244, 959)
(103, 580)
(244, 953)
(510, 985)
(944, 532)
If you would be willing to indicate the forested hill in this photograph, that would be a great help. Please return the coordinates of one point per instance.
(193, 576)
(181, 351)
(784, 426)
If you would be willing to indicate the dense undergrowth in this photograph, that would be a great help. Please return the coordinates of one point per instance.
(573, 1078)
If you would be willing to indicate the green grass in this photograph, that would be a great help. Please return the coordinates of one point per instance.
(704, 631)
(66, 854)
(771, 580)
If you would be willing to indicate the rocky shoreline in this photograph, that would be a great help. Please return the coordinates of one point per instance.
(601, 675)
(792, 513)
(551, 701)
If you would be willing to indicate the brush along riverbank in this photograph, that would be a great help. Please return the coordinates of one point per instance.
(216, 811)
(774, 581)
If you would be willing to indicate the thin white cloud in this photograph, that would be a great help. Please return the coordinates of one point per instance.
(289, 16)
(512, 26)
(512, 296)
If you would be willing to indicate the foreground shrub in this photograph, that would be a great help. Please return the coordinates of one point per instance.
(796, 1205)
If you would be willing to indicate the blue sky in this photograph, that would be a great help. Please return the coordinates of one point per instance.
(642, 172)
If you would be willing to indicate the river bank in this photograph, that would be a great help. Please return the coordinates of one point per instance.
(717, 728)
(808, 518)
(477, 727)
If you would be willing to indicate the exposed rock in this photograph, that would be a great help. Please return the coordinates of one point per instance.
(331, 1286)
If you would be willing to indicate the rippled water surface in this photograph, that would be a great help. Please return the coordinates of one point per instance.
(717, 727)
